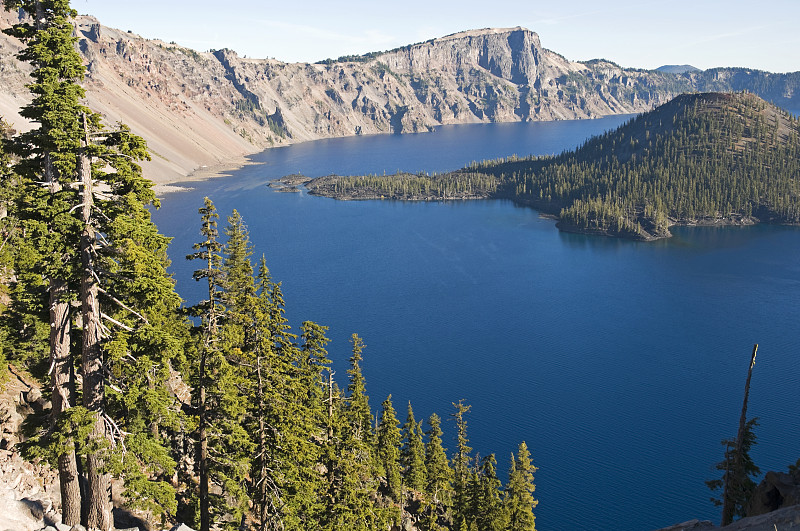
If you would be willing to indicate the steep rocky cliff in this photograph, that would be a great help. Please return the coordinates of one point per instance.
(198, 109)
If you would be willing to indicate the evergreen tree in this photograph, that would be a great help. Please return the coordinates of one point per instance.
(737, 487)
(389, 449)
(223, 383)
(210, 310)
(85, 250)
(358, 412)
(304, 429)
(239, 291)
(487, 510)
(266, 494)
(136, 295)
(519, 502)
(438, 482)
(738, 472)
(461, 470)
(277, 395)
(48, 154)
(412, 454)
(352, 473)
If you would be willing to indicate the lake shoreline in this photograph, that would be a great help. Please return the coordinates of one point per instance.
(221, 169)
(292, 183)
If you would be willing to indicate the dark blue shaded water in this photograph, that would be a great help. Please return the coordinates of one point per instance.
(621, 364)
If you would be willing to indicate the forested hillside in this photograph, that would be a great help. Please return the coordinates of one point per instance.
(223, 415)
(708, 158)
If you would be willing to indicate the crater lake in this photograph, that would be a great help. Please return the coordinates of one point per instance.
(622, 364)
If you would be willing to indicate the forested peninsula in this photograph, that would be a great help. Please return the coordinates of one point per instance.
(710, 158)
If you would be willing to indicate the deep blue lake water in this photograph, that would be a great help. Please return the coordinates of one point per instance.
(621, 364)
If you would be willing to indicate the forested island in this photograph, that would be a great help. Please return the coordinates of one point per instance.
(711, 158)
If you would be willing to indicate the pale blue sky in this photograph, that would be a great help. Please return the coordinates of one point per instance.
(761, 34)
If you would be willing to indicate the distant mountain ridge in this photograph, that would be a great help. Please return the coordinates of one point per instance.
(202, 108)
(677, 69)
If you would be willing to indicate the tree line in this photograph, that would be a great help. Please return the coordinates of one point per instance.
(223, 414)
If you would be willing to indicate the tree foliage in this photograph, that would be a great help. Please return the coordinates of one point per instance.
(738, 472)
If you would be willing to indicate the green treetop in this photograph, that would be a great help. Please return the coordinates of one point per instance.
(389, 448)
(519, 501)
(412, 454)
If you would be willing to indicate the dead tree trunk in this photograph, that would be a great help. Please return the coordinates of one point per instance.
(262, 450)
(205, 517)
(63, 384)
(63, 394)
(98, 482)
(734, 477)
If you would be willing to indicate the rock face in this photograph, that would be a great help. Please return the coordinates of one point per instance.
(776, 490)
(201, 108)
(29, 493)
(785, 519)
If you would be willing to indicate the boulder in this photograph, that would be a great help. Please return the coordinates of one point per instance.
(776, 490)
(691, 525)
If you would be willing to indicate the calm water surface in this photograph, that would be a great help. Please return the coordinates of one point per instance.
(621, 364)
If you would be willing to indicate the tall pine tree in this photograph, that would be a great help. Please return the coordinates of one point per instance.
(461, 469)
(519, 502)
(438, 482)
(412, 454)
(79, 187)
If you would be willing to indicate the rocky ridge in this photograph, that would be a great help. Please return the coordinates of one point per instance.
(198, 109)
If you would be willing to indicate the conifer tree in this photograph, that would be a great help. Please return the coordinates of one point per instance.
(487, 506)
(738, 467)
(225, 446)
(276, 401)
(357, 409)
(438, 482)
(738, 472)
(519, 502)
(389, 449)
(352, 473)
(303, 429)
(138, 335)
(266, 494)
(210, 310)
(239, 285)
(81, 231)
(412, 454)
(461, 470)
(48, 155)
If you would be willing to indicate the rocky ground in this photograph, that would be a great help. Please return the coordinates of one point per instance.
(29, 495)
(785, 519)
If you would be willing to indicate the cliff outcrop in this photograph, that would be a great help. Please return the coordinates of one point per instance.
(204, 108)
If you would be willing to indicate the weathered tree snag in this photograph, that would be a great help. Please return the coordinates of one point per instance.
(98, 481)
(63, 394)
(736, 475)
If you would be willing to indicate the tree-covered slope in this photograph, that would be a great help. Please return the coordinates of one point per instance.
(700, 159)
